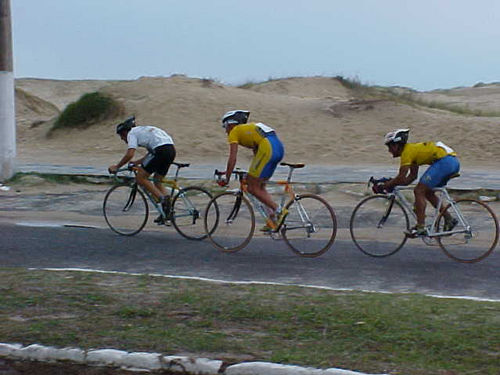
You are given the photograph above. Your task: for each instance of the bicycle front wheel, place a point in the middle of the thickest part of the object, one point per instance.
(125, 209)
(377, 226)
(475, 235)
(310, 226)
(189, 206)
(229, 222)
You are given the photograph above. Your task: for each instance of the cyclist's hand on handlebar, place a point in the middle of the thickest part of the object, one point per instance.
(220, 178)
(222, 182)
(378, 188)
(113, 169)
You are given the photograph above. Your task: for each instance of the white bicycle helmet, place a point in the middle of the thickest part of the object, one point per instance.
(237, 117)
(397, 136)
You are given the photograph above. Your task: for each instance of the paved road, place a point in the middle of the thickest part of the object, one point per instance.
(416, 268)
(469, 179)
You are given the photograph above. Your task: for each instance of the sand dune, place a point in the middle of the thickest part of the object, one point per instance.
(319, 120)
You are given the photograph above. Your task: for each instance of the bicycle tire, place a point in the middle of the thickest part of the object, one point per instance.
(229, 221)
(310, 226)
(125, 209)
(188, 207)
(371, 234)
(470, 246)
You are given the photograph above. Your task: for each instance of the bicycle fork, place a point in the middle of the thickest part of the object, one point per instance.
(131, 198)
(385, 216)
(234, 211)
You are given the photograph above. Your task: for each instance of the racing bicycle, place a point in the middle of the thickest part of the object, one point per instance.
(379, 225)
(309, 229)
(126, 209)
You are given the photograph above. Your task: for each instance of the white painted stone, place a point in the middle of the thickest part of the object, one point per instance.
(264, 368)
(260, 368)
(36, 352)
(195, 366)
(8, 350)
(137, 360)
(105, 357)
(154, 361)
(69, 354)
(337, 371)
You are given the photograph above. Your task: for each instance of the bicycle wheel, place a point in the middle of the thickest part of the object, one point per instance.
(188, 207)
(475, 237)
(229, 221)
(125, 209)
(310, 226)
(377, 226)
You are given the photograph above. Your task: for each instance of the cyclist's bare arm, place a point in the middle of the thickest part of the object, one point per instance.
(231, 160)
(125, 159)
(138, 161)
(407, 174)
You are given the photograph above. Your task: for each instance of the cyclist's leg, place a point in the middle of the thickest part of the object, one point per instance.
(269, 153)
(165, 158)
(159, 163)
(437, 175)
(421, 191)
(143, 180)
(257, 187)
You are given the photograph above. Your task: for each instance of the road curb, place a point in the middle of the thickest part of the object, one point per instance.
(153, 362)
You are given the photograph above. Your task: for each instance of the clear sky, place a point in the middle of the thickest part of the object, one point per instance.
(423, 44)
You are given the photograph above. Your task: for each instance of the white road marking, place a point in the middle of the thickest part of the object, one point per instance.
(257, 283)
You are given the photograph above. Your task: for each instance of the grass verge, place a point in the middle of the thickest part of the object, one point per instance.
(398, 334)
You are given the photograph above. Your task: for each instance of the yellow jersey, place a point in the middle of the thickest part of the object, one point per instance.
(424, 153)
(249, 135)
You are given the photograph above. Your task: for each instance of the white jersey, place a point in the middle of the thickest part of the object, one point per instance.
(148, 137)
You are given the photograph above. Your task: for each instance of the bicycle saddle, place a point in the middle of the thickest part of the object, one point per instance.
(181, 165)
(291, 165)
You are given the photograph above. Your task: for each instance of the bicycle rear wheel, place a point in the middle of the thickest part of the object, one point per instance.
(125, 209)
(229, 221)
(188, 208)
(377, 226)
(475, 237)
(310, 226)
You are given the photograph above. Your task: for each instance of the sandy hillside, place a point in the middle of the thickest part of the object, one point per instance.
(318, 119)
(482, 97)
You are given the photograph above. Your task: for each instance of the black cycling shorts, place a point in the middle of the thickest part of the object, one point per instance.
(160, 161)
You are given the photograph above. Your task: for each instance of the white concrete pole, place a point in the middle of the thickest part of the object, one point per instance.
(7, 98)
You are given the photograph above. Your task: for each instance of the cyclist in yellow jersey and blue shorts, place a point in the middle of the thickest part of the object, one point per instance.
(443, 163)
(268, 152)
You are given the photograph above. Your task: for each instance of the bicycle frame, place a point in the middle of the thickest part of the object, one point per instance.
(171, 183)
(444, 197)
(288, 192)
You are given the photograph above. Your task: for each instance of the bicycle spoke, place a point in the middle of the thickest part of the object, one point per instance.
(377, 226)
(125, 210)
(229, 222)
(310, 227)
(475, 235)
(188, 208)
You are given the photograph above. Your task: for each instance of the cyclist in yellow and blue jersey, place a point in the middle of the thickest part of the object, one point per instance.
(268, 152)
(443, 163)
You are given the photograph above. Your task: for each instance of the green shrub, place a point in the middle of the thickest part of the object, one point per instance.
(89, 109)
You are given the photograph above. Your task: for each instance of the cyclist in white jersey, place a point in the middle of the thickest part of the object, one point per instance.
(161, 153)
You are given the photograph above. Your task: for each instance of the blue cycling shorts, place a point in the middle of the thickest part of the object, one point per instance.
(269, 153)
(438, 173)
